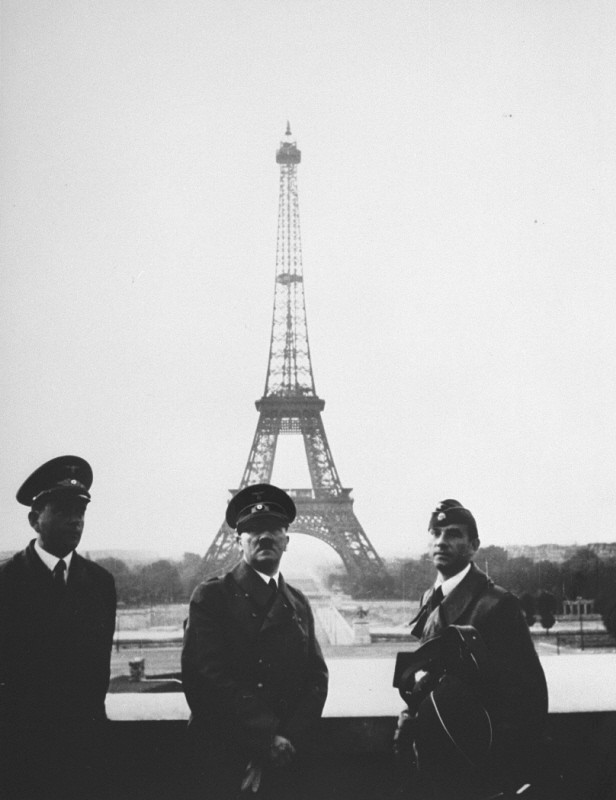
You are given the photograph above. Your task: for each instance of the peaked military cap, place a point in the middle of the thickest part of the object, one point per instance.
(259, 503)
(65, 474)
(452, 512)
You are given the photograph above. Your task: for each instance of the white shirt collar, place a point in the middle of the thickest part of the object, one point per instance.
(450, 584)
(50, 560)
(267, 578)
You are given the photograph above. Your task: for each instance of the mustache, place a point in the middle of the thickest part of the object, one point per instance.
(265, 542)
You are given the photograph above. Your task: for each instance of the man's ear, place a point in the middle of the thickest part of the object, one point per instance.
(286, 542)
(475, 544)
(33, 518)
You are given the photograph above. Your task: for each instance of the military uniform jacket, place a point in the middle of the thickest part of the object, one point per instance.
(54, 652)
(516, 693)
(249, 673)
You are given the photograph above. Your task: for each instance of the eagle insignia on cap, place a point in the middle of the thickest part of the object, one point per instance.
(441, 516)
(262, 503)
(70, 474)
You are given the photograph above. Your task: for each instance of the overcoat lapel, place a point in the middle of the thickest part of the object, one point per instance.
(251, 584)
(257, 592)
(282, 608)
(76, 572)
(455, 604)
(35, 568)
(420, 619)
(457, 601)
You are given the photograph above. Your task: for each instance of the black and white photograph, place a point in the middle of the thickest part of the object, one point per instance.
(308, 346)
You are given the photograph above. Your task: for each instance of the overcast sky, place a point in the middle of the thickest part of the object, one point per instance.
(457, 207)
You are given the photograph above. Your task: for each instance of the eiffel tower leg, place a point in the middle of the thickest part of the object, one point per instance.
(333, 521)
(223, 554)
(323, 473)
(263, 451)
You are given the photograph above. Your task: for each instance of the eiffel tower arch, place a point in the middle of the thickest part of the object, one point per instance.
(290, 406)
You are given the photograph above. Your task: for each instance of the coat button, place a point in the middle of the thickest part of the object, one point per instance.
(259, 686)
(254, 614)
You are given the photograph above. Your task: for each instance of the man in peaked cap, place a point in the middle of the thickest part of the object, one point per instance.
(252, 668)
(57, 618)
(480, 736)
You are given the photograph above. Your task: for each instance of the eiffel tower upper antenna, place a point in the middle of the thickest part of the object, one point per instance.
(289, 369)
(290, 405)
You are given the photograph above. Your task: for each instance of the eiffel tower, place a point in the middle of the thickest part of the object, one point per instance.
(290, 406)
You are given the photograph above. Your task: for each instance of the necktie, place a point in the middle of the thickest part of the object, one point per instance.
(273, 590)
(435, 599)
(58, 578)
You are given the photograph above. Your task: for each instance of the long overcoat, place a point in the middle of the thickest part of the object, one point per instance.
(516, 691)
(54, 653)
(249, 673)
(54, 674)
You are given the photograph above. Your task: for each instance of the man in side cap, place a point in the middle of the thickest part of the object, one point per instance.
(478, 731)
(252, 668)
(57, 618)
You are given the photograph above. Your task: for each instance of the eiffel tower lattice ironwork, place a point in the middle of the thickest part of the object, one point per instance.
(290, 405)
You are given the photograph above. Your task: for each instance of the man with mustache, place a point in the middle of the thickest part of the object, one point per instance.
(477, 730)
(57, 619)
(252, 669)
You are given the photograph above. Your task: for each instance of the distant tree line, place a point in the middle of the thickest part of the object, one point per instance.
(584, 574)
(161, 581)
(541, 586)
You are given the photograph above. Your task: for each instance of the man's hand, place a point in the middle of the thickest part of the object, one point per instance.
(252, 778)
(404, 735)
(281, 751)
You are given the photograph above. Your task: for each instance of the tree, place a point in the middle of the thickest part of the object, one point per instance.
(546, 608)
(581, 574)
(606, 606)
(124, 578)
(411, 577)
(190, 571)
(372, 587)
(549, 578)
(493, 560)
(116, 566)
(160, 582)
(338, 582)
(518, 577)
